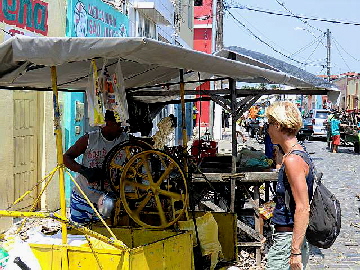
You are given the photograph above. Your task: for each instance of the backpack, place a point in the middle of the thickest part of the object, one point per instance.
(325, 215)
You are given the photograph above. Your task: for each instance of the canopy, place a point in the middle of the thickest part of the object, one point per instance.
(144, 62)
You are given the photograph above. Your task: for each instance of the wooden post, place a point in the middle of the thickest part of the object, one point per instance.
(232, 199)
(258, 222)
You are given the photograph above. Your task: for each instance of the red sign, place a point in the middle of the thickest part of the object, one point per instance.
(27, 14)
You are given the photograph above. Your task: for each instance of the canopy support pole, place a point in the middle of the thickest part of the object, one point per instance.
(182, 97)
(60, 162)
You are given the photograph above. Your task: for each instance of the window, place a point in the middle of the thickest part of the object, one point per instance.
(198, 3)
(146, 28)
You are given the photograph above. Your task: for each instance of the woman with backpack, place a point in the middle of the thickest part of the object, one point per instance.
(293, 190)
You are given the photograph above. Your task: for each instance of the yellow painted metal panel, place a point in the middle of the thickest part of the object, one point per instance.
(178, 252)
(134, 237)
(145, 236)
(173, 253)
(148, 257)
(124, 234)
(49, 257)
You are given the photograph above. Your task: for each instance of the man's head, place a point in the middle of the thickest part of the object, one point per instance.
(113, 127)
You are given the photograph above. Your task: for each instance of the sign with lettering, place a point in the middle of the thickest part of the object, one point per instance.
(94, 18)
(11, 31)
(26, 14)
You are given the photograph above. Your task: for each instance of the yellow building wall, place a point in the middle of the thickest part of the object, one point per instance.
(6, 154)
(353, 95)
(56, 22)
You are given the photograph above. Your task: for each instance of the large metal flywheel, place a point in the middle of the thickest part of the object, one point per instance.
(117, 158)
(153, 189)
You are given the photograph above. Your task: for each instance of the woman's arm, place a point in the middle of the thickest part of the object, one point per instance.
(296, 170)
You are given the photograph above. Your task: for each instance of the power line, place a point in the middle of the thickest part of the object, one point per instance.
(320, 41)
(342, 56)
(294, 16)
(262, 34)
(266, 43)
(305, 22)
(306, 46)
(345, 50)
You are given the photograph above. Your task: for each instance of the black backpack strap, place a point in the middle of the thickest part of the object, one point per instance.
(317, 175)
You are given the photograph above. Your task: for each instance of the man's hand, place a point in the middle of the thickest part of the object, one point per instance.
(93, 175)
(296, 262)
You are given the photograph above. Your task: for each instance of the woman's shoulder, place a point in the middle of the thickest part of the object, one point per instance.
(297, 157)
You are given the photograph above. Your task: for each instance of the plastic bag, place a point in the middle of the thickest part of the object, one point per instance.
(21, 251)
(96, 109)
(106, 92)
(208, 236)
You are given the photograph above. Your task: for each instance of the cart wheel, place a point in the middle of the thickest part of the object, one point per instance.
(117, 157)
(153, 189)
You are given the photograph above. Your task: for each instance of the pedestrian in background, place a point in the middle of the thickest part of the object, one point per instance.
(293, 190)
(335, 132)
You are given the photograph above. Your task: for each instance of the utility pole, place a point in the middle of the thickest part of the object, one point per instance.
(328, 47)
(219, 43)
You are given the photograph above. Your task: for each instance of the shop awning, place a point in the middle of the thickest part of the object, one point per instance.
(24, 62)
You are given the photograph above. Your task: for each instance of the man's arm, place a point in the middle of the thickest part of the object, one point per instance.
(74, 151)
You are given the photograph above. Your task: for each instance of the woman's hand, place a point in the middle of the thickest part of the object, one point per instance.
(295, 262)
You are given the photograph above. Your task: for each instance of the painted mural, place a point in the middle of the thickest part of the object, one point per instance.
(31, 15)
(94, 18)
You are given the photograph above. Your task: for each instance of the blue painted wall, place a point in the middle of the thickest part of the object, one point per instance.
(188, 121)
(87, 18)
(69, 129)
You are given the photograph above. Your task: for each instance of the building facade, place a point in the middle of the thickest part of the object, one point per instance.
(204, 42)
(30, 151)
(349, 85)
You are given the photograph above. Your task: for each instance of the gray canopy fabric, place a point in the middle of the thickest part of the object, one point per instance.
(25, 62)
(144, 62)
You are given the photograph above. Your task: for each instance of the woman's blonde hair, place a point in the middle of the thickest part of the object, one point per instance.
(286, 115)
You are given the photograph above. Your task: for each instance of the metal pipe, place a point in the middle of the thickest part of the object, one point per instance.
(182, 97)
(60, 161)
(115, 243)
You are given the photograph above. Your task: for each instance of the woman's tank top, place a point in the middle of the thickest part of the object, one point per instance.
(284, 211)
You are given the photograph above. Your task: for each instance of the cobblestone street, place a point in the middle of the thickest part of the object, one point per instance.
(341, 176)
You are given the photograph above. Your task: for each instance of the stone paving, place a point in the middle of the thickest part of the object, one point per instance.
(341, 176)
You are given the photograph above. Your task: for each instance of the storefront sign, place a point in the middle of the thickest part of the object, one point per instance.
(94, 18)
(26, 14)
(11, 31)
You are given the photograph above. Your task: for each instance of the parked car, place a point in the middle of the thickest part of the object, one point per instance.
(319, 116)
(306, 131)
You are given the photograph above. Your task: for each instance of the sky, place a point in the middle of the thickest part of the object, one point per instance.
(304, 42)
